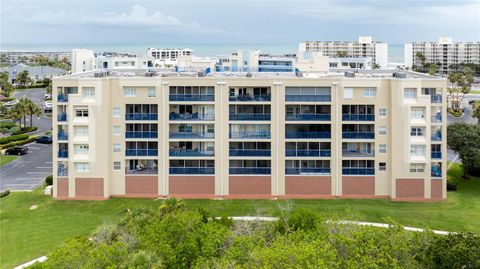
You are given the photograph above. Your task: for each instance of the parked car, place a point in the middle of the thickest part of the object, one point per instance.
(11, 103)
(45, 139)
(20, 150)
(47, 106)
(47, 96)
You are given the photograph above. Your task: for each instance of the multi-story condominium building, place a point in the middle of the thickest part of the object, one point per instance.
(86, 60)
(364, 48)
(445, 53)
(168, 54)
(257, 135)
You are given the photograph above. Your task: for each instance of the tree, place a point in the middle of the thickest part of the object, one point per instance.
(460, 85)
(465, 139)
(23, 78)
(342, 54)
(476, 111)
(32, 109)
(376, 66)
(5, 84)
(20, 110)
(433, 69)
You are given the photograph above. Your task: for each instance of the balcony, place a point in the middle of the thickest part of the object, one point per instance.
(436, 171)
(140, 134)
(192, 170)
(308, 153)
(308, 117)
(141, 116)
(357, 153)
(250, 170)
(62, 117)
(308, 98)
(62, 136)
(358, 171)
(141, 152)
(62, 97)
(191, 98)
(191, 117)
(250, 117)
(308, 134)
(436, 154)
(358, 117)
(250, 98)
(358, 135)
(193, 135)
(141, 171)
(436, 98)
(250, 152)
(62, 172)
(250, 135)
(190, 153)
(437, 118)
(437, 137)
(307, 170)
(63, 154)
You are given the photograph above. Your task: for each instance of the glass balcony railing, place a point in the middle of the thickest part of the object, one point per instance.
(250, 98)
(141, 171)
(307, 170)
(192, 170)
(250, 135)
(250, 170)
(250, 152)
(358, 135)
(196, 135)
(358, 171)
(308, 98)
(62, 98)
(250, 116)
(62, 136)
(140, 134)
(357, 153)
(436, 154)
(141, 152)
(141, 116)
(190, 152)
(308, 153)
(308, 117)
(436, 98)
(437, 137)
(194, 116)
(62, 117)
(191, 97)
(436, 171)
(62, 172)
(437, 118)
(308, 134)
(358, 117)
(63, 154)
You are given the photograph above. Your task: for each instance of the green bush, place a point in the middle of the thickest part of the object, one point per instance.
(455, 113)
(25, 130)
(19, 143)
(49, 180)
(7, 124)
(4, 193)
(451, 184)
(13, 138)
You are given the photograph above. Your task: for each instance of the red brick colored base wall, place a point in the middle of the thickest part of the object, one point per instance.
(141, 186)
(89, 188)
(437, 191)
(407, 188)
(308, 186)
(62, 188)
(356, 186)
(192, 186)
(250, 186)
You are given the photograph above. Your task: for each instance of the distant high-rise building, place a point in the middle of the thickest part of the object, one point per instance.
(445, 53)
(168, 54)
(365, 47)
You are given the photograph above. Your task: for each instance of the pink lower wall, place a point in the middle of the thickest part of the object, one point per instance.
(191, 185)
(141, 185)
(62, 188)
(308, 185)
(410, 188)
(250, 185)
(437, 189)
(88, 188)
(358, 186)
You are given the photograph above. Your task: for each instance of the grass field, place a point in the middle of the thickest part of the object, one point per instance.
(27, 234)
(6, 159)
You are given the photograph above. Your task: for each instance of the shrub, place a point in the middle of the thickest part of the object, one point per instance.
(4, 193)
(451, 184)
(49, 180)
(6, 124)
(13, 138)
(25, 130)
(19, 143)
(455, 113)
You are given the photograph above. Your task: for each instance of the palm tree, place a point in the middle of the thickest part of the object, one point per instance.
(171, 205)
(14, 115)
(33, 109)
(20, 108)
(476, 111)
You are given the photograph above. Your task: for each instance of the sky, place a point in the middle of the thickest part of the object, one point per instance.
(235, 22)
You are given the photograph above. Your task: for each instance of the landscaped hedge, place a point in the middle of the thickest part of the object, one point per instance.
(7, 124)
(25, 130)
(49, 180)
(13, 138)
(4, 193)
(19, 143)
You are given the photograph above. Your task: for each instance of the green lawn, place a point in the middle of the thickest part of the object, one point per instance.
(6, 159)
(27, 234)
(474, 91)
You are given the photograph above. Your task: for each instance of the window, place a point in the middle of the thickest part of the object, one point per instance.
(382, 148)
(81, 149)
(369, 92)
(88, 92)
(129, 92)
(382, 166)
(382, 130)
(417, 168)
(417, 150)
(347, 93)
(410, 94)
(81, 112)
(116, 112)
(116, 130)
(382, 112)
(117, 148)
(417, 113)
(117, 166)
(416, 131)
(152, 92)
(82, 167)
(80, 130)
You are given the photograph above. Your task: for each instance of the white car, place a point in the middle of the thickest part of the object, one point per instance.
(47, 106)
(11, 103)
(47, 96)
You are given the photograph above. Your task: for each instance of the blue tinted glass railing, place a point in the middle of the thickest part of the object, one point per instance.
(358, 171)
(134, 134)
(358, 135)
(63, 154)
(141, 116)
(308, 98)
(436, 154)
(436, 98)
(62, 172)
(192, 170)
(250, 170)
(249, 98)
(358, 117)
(62, 98)
(307, 170)
(190, 152)
(142, 171)
(308, 117)
(437, 137)
(191, 97)
(307, 134)
(62, 117)
(249, 135)
(141, 152)
(250, 116)
(307, 153)
(250, 152)
(192, 135)
(62, 136)
(194, 116)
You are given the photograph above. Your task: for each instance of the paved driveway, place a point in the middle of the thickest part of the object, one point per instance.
(27, 171)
